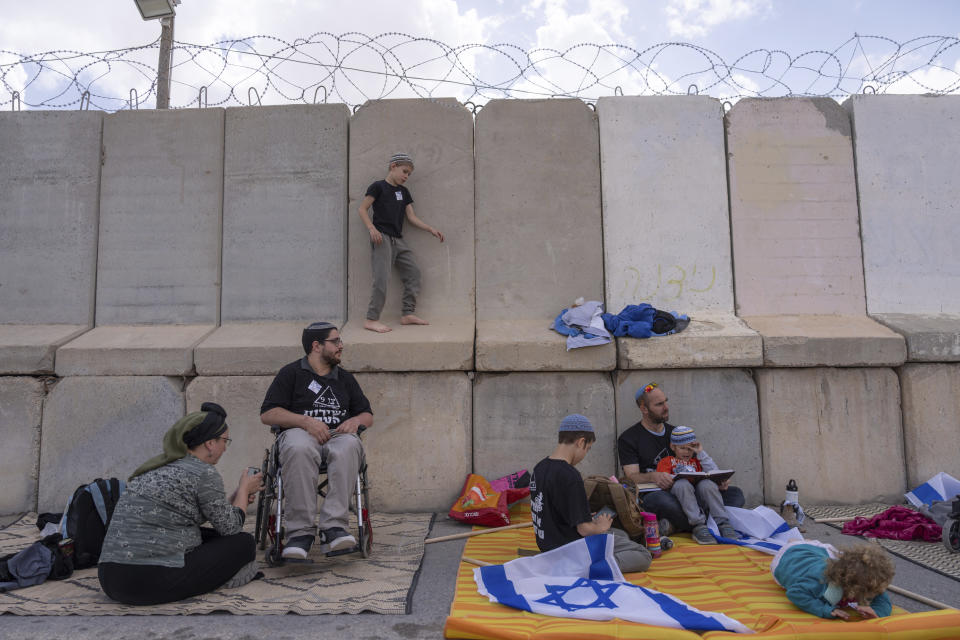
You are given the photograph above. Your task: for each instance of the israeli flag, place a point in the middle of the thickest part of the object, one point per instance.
(761, 529)
(942, 486)
(582, 580)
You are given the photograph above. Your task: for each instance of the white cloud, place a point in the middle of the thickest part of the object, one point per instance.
(692, 19)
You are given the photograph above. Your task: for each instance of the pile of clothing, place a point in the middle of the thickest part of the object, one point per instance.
(586, 325)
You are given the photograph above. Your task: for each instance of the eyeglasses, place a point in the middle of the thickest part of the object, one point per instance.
(650, 387)
(336, 341)
(226, 441)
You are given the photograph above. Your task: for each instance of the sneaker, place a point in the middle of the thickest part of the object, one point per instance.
(337, 539)
(702, 535)
(664, 527)
(727, 531)
(297, 548)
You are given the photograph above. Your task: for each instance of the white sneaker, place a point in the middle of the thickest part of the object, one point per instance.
(297, 548)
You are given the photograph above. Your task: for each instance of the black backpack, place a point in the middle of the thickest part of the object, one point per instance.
(86, 517)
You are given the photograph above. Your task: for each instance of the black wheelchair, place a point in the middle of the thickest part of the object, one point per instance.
(269, 528)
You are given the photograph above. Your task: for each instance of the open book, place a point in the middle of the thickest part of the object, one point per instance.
(717, 476)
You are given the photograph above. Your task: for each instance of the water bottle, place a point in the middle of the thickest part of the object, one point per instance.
(652, 532)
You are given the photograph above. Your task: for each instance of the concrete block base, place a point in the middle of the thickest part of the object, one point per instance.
(446, 344)
(241, 397)
(529, 344)
(97, 426)
(929, 337)
(21, 402)
(252, 349)
(708, 341)
(137, 350)
(516, 417)
(836, 431)
(30, 348)
(720, 405)
(418, 449)
(931, 420)
(827, 341)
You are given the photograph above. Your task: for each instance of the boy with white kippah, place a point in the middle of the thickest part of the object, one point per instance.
(558, 501)
(699, 498)
(392, 203)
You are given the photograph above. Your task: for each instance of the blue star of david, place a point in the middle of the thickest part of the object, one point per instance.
(603, 591)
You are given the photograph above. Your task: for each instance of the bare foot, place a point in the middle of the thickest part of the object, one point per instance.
(376, 325)
(412, 319)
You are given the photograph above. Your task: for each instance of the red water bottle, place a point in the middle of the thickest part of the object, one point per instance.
(652, 532)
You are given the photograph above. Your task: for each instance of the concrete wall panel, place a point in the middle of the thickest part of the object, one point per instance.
(931, 420)
(719, 404)
(907, 150)
(284, 213)
(160, 210)
(418, 450)
(241, 397)
(793, 208)
(21, 404)
(516, 417)
(671, 252)
(539, 238)
(49, 181)
(438, 134)
(539, 243)
(836, 431)
(100, 427)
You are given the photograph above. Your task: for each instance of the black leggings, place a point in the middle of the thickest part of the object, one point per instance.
(204, 569)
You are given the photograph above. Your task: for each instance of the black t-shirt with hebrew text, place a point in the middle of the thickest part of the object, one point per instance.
(558, 503)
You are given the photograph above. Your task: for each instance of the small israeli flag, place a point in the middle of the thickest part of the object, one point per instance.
(582, 580)
(942, 486)
(761, 529)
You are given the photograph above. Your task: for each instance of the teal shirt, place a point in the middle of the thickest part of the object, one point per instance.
(158, 517)
(801, 573)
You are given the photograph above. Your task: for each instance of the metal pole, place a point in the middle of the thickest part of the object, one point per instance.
(163, 65)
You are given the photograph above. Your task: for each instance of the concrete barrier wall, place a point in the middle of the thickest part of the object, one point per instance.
(49, 181)
(284, 207)
(539, 240)
(438, 134)
(907, 149)
(793, 208)
(21, 405)
(102, 426)
(931, 420)
(160, 207)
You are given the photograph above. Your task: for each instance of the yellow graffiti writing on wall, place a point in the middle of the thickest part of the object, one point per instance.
(672, 287)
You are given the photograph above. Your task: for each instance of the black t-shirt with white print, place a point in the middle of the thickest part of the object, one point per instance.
(558, 503)
(389, 207)
(332, 398)
(639, 446)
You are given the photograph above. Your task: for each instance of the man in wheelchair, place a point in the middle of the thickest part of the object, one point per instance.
(306, 400)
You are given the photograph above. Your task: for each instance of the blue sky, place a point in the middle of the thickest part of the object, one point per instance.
(730, 28)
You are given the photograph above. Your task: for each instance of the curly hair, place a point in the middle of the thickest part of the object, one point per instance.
(863, 572)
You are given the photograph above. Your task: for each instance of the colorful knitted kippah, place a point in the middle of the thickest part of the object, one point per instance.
(576, 422)
(402, 158)
(682, 435)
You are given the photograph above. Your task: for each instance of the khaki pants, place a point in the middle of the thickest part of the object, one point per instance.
(393, 251)
(300, 458)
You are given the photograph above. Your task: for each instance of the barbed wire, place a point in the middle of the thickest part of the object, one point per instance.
(352, 68)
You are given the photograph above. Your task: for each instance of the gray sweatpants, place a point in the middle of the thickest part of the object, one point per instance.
(300, 458)
(631, 556)
(393, 251)
(699, 500)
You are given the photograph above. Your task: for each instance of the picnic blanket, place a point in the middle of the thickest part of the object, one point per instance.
(382, 583)
(730, 579)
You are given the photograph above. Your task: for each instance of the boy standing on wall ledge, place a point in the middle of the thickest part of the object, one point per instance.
(391, 203)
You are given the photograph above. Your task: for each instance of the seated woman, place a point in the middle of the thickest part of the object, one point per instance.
(155, 550)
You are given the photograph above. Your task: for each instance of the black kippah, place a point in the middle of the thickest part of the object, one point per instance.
(213, 425)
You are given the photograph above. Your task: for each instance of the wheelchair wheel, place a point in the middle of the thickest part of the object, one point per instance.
(362, 509)
(951, 535)
(264, 500)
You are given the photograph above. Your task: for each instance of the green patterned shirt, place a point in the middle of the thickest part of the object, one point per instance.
(158, 517)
